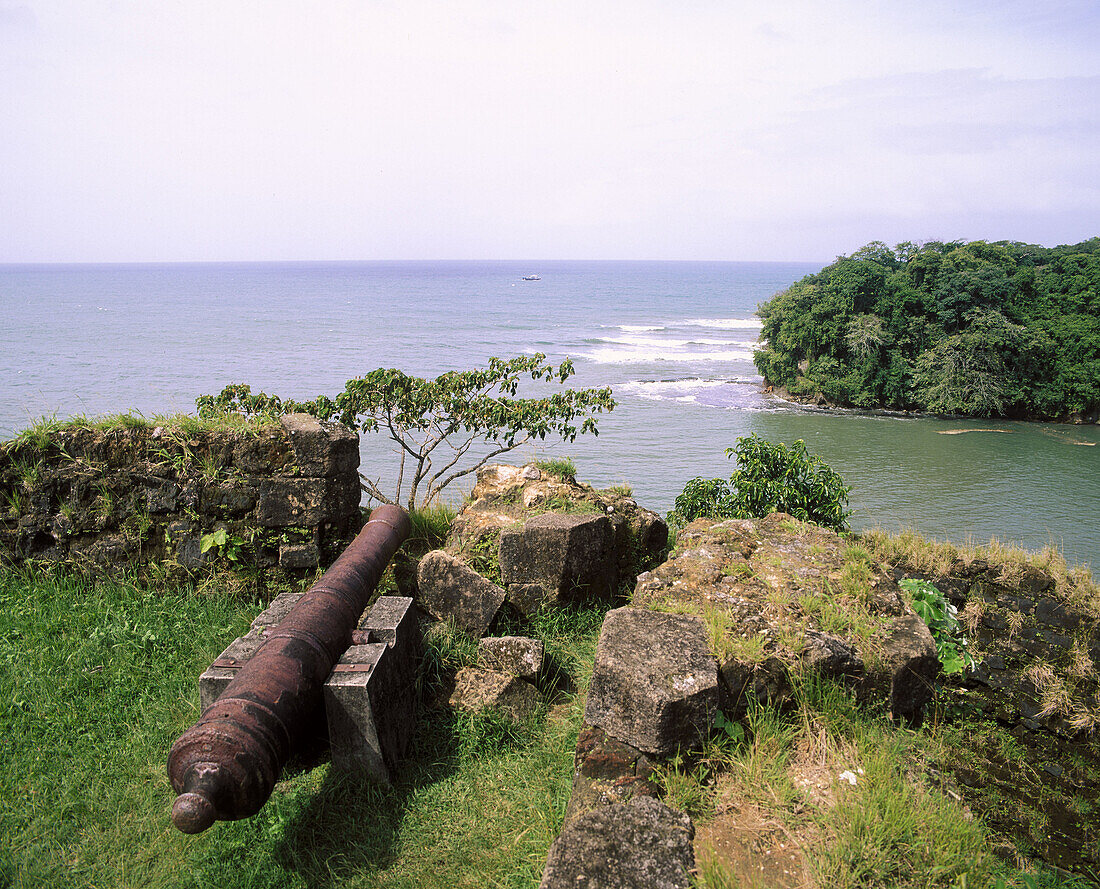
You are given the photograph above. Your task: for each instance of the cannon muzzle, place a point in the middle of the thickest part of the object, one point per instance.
(225, 766)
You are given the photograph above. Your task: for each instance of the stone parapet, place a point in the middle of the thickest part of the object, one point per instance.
(285, 494)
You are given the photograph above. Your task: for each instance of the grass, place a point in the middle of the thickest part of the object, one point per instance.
(1073, 584)
(97, 679)
(39, 434)
(562, 467)
(892, 827)
(430, 525)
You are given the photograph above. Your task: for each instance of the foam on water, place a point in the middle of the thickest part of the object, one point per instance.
(732, 393)
(666, 354)
(731, 323)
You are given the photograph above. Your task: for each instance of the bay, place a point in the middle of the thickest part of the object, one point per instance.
(674, 340)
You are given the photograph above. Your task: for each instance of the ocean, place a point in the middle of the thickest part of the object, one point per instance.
(673, 339)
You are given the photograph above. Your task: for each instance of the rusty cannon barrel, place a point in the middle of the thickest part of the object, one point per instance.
(225, 766)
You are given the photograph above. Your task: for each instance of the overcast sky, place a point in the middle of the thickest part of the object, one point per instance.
(163, 130)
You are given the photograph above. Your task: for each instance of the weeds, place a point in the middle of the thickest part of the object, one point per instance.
(855, 581)
(891, 830)
(921, 555)
(913, 550)
(1055, 698)
(40, 434)
(687, 786)
(446, 650)
(940, 616)
(562, 467)
(620, 490)
(725, 643)
(430, 526)
(483, 555)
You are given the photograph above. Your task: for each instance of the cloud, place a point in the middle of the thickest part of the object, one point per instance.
(212, 129)
(964, 111)
(17, 18)
(771, 33)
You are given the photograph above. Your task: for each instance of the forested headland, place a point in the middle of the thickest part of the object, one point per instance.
(981, 329)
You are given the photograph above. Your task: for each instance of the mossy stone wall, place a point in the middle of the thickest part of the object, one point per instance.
(286, 494)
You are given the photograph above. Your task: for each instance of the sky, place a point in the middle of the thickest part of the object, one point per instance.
(188, 130)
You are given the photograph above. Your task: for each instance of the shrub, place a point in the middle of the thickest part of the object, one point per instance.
(775, 478)
(703, 497)
(769, 478)
(941, 616)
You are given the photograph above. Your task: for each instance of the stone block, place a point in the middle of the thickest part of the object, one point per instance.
(829, 655)
(321, 450)
(342, 496)
(642, 844)
(449, 588)
(654, 683)
(477, 689)
(516, 655)
(291, 501)
(225, 667)
(392, 621)
(106, 549)
(160, 499)
(189, 552)
(571, 556)
(606, 771)
(229, 498)
(743, 682)
(299, 555)
(910, 655)
(262, 454)
(530, 598)
(1057, 614)
(354, 694)
(370, 697)
(61, 527)
(277, 609)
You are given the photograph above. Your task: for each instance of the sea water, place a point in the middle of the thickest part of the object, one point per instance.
(674, 341)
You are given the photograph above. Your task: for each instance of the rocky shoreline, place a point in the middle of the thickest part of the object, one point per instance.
(820, 402)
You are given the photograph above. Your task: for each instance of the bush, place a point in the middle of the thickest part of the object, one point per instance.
(769, 478)
(703, 497)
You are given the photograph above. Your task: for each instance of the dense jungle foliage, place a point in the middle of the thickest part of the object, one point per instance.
(991, 330)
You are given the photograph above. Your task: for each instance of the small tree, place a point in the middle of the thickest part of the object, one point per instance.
(436, 423)
(768, 478)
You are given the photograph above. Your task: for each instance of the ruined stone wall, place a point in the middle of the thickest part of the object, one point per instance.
(285, 495)
(1037, 646)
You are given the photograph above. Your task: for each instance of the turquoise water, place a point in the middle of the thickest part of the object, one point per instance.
(674, 340)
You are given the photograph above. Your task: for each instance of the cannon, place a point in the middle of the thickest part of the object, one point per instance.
(225, 766)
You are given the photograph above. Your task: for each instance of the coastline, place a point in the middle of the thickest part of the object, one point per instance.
(820, 402)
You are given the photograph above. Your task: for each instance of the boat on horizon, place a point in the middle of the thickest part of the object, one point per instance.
(532, 277)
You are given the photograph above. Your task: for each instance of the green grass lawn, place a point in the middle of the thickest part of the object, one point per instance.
(97, 679)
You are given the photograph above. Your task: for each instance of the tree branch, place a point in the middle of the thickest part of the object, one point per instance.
(365, 484)
(436, 488)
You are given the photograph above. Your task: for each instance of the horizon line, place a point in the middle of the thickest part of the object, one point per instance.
(166, 262)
